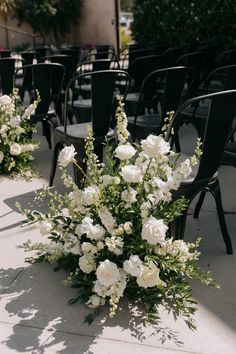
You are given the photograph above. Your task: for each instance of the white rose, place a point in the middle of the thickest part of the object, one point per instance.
(1, 156)
(107, 273)
(15, 121)
(29, 111)
(133, 266)
(87, 264)
(5, 100)
(45, 227)
(154, 231)
(4, 129)
(89, 194)
(66, 155)
(131, 173)
(15, 149)
(124, 152)
(154, 146)
(149, 276)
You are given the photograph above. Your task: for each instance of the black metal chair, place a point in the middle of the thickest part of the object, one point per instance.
(220, 79)
(152, 106)
(103, 90)
(7, 71)
(219, 124)
(47, 80)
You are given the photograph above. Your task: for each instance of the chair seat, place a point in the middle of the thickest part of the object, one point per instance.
(78, 131)
(149, 121)
(85, 103)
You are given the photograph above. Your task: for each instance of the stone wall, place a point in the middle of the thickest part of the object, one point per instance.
(97, 26)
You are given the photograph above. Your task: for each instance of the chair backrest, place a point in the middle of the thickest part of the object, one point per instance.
(103, 91)
(170, 81)
(142, 66)
(5, 53)
(7, 71)
(195, 60)
(228, 57)
(220, 117)
(220, 79)
(29, 56)
(96, 65)
(47, 79)
(67, 61)
(171, 55)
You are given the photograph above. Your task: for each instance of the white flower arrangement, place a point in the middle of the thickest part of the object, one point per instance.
(114, 236)
(15, 142)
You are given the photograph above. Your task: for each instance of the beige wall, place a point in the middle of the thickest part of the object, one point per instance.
(97, 26)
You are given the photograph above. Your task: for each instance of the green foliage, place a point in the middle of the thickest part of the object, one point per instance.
(49, 15)
(181, 22)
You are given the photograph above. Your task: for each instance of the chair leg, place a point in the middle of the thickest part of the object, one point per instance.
(215, 191)
(55, 155)
(47, 132)
(177, 226)
(199, 204)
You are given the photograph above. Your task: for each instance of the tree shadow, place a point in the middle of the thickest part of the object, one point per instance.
(36, 301)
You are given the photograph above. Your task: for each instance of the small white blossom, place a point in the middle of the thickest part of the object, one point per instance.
(115, 245)
(133, 266)
(5, 100)
(90, 194)
(128, 227)
(45, 227)
(95, 301)
(131, 174)
(1, 156)
(107, 219)
(124, 152)
(15, 121)
(66, 155)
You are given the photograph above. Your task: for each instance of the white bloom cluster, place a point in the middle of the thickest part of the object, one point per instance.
(15, 146)
(115, 229)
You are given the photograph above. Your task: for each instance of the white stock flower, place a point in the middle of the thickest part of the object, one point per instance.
(45, 227)
(15, 149)
(93, 232)
(15, 121)
(133, 265)
(128, 227)
(27, 147)
(154, 231)
(149, 276)
(129, 195)
(88, 247)
(155, 146)
(87, 263)
(131, 173)
(107, 219)
(66, 155)
(125, 152)
(95, 301)
(115, 245)
(29, 111)
(107, 273)
(4, 128)
(1, 156)
(5, 100)
(90, 194)
(180, 248)
(109, 180)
